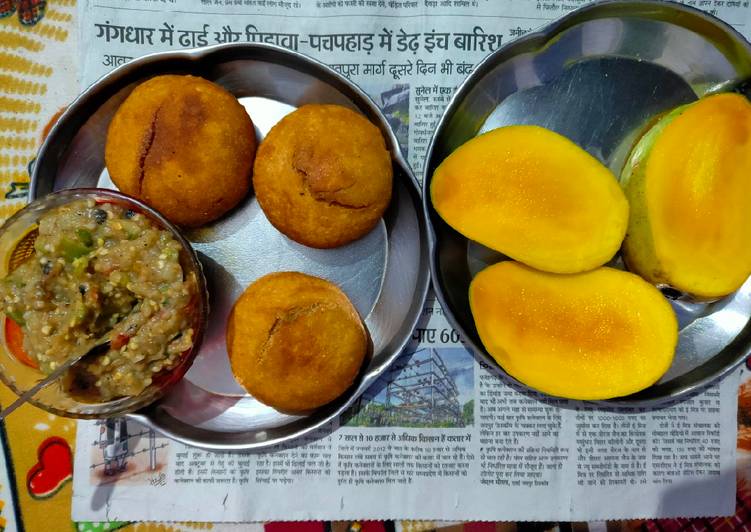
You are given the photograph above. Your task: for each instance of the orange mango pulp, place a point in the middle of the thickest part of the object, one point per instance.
(533, 195)
(595, 335)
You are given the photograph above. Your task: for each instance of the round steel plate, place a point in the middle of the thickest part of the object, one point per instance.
(598, 76)
(385, 273)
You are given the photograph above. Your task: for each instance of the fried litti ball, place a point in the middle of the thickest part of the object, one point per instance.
(295, 341)
(323, 175)
(183, 145)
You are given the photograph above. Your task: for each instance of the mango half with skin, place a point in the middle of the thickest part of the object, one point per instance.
(595, 335)
(533, 195)
(688, 181)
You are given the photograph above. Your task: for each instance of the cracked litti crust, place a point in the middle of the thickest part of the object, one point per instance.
(323, 175)
(183, 145)
(295, 341)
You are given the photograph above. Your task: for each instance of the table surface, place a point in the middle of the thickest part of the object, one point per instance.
(38, 67)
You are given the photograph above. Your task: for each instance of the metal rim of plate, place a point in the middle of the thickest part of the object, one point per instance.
(60, 146)
(728, 41)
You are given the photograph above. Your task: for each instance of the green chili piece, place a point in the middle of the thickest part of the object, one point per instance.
(79, 265)
(85, 237)
(17, 316)
(71, 249)
(80, 313)
(132, 230)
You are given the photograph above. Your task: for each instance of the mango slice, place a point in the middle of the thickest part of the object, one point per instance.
(533, 195)
(688, 181)
(594, 335)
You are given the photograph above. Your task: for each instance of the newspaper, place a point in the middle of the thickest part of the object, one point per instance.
(483, 449)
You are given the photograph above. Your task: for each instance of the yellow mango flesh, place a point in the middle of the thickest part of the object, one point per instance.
(595, 335)
(533, 195)
(689, 185)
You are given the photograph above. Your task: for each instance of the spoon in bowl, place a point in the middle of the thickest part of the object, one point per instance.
(92, 348)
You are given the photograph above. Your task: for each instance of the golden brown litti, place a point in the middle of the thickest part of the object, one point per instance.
(183, 145)
(323, 175)
(295, 341)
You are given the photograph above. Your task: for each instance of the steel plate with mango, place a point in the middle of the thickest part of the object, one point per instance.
(563, 311)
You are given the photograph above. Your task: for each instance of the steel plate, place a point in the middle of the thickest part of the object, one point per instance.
(598, 76)
(385, 273)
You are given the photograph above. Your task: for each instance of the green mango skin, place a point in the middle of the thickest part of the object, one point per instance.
(662, 258)
(638, 250)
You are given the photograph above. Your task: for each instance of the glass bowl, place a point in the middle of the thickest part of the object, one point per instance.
(19, 377)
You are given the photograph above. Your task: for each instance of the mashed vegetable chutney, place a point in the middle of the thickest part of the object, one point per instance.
(99, 268)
